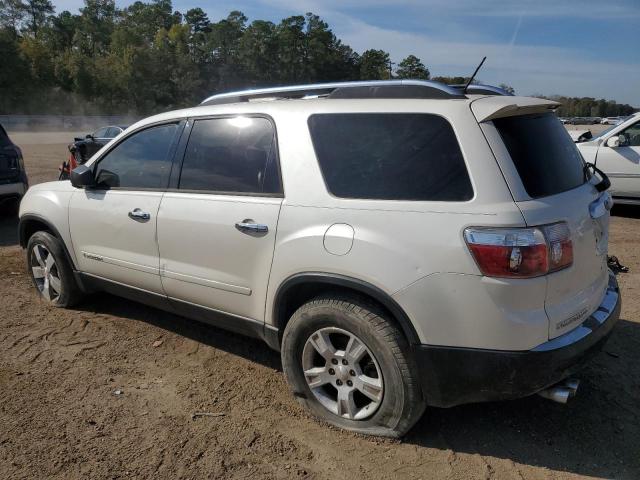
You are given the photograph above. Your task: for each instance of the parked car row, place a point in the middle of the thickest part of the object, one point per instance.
(401, 243)
(593, 120)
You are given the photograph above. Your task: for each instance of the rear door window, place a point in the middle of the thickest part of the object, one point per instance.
(390, 156)
(543, 153)
(231, 155)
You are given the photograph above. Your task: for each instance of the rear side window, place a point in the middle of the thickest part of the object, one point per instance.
(546, 158)
(231, 155)
(390, 156)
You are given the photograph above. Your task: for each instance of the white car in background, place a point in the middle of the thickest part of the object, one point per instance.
(616, 152)
(611, 120)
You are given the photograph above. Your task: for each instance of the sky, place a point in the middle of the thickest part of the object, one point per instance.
(565, 47)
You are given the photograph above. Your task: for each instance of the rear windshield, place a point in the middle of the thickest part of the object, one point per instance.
(390, 156)
(546, 158)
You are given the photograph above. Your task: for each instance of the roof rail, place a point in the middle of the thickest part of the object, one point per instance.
(479, 89)
(365, 89)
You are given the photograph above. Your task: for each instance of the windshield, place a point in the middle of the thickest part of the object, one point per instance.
(543, 153)
(605, 131)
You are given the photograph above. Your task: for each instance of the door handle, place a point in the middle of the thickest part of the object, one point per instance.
(138, 214)
(248, 226)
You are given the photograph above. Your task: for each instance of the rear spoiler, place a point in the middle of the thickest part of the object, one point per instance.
(489, 108)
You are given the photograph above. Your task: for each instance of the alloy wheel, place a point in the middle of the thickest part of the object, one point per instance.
(45, 273)
(342, 373)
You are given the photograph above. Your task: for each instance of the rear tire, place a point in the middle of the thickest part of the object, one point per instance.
(51, 272)
(383, 396)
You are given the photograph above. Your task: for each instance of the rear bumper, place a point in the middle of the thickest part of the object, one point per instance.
(453, 376)
(12, 190)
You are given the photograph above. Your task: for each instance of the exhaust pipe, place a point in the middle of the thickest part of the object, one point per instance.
(561, 392)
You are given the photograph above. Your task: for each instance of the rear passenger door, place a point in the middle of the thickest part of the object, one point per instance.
(217, 225)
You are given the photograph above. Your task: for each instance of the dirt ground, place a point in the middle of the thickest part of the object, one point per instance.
(84, 393)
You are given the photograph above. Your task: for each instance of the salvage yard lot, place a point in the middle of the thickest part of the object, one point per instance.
(109, 389)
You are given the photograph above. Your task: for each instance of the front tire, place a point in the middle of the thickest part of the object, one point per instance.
(351, 366)
(50, 271)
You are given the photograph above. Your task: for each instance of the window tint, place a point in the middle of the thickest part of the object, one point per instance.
(140, 161)
(236, 155)
(546, 158)
(631, 136)
(390, 156)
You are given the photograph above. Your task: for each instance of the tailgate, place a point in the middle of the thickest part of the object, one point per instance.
(576, 292)
(546, 176)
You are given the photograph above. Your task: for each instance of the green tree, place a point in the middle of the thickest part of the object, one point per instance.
(197, 20)
(37, 13)
(412, 67)
(12, 14)
(374, 65)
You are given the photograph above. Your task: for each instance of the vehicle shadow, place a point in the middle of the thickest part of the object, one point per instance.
(8, 225)
(626, 211)
(250, 348)
(596, 434)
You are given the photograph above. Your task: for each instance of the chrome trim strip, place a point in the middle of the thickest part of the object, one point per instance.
(330, 86)
(227, 287)
(608, 303)
(623, 175)
(119, 263)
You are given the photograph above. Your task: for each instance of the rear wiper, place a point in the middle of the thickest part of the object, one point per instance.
(590, 170)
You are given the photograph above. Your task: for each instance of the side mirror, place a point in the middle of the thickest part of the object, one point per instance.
(89, 136)
(82, 176)
(613, 142)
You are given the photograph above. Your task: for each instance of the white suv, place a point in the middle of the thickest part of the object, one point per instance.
(402, 244)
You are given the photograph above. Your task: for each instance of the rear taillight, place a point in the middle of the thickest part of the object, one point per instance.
(520, 252)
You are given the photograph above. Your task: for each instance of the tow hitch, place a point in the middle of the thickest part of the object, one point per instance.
(561, 392)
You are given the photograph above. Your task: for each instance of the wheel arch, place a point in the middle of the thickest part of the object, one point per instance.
(302, 287)
(31, 223)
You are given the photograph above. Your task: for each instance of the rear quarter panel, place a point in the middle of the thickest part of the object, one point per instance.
(396, 244)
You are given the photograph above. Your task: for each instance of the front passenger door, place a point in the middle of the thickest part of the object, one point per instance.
(113, 225)
(622, 163)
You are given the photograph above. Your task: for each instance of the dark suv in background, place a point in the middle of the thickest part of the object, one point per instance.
(13, 178)
(84, 148)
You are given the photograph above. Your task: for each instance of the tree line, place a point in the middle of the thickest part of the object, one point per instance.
(591, 107)
(147, 57)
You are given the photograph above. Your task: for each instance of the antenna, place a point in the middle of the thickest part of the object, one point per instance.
(474, 75)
